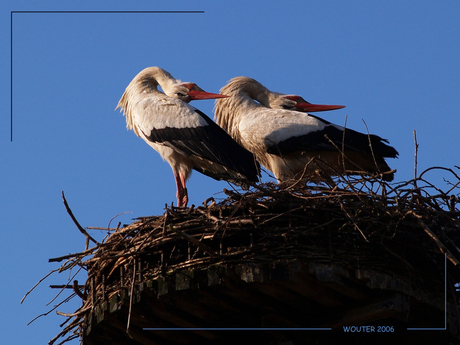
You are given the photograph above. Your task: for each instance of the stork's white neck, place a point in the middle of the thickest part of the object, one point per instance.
(243, 93)
(150, 78)
(146, 81)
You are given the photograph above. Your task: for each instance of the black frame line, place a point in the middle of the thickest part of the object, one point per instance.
(235, 329)
(67, 12)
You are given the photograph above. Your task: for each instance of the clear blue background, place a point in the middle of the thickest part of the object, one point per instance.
(394, 64)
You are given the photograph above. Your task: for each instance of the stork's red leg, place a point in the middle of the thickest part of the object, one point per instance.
(182, 196)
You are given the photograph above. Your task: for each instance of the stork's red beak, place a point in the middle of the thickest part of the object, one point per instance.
(308, 107)
(195, 94)
(304, 106)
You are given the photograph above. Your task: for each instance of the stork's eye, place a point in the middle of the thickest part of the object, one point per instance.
(288, 107)
(180, 94)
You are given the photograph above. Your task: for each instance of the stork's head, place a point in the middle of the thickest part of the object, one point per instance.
(294, 102)
(187, 92)
(150, 78)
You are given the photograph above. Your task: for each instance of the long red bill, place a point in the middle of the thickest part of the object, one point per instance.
(308, 107)
(195, 94)
(304, 106)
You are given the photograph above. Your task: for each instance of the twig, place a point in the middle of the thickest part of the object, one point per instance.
(76, 289)
(119, 214)
(131, 297)
(209, 216)
(430, 233)
(194, 241)
(77, 313)
(164, 223)
(49, 311)
(75, 323)
(83, 231)
(64, 288)
(73, 256)
(353, 221)
(304, 172)
(28, 292)
(101, 228)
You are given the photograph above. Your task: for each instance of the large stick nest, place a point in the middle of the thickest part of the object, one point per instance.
(401, 231)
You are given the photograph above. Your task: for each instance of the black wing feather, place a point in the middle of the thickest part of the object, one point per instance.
(210, 142)
(332, 138)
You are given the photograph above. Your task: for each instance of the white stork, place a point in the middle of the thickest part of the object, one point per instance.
(293, 145)
(185, 137)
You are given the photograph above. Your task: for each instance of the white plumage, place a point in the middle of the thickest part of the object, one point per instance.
(185, 137)
(295, 145)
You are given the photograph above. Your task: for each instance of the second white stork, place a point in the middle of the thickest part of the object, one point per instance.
(184, 136)
(293, 145)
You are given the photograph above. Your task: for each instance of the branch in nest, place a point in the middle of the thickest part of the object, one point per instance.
(430, 233)
(77, 313)
(83, 231)
(28, 292)
(194, 241)
(73, 256)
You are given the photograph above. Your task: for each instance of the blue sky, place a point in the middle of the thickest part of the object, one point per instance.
(394, 64)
